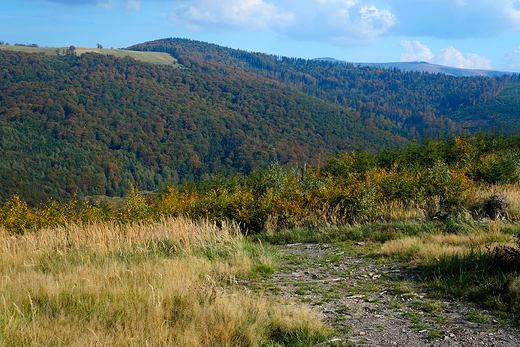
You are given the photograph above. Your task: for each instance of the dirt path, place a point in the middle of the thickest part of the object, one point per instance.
(372, 303)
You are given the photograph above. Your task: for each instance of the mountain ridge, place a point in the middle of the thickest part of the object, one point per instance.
(422, 66)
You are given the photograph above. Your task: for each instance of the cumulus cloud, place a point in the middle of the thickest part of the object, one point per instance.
(450, 56)
(415, 51)
(455, 18)
(341, 22)
(512, 60)
(243, 14)
(453, 57)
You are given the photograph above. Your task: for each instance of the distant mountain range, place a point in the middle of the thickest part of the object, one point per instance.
(422, 66)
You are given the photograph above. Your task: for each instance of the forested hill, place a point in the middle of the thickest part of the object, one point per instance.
(416, 103)
(96, 124)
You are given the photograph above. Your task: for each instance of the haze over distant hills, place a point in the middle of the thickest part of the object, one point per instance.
(423, 66)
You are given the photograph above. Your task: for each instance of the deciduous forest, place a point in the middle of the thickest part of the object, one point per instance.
(96, 124)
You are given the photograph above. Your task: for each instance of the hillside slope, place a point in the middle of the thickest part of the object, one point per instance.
(416, 103)
(96, 124)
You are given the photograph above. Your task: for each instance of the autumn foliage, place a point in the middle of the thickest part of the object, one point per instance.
(353, 187)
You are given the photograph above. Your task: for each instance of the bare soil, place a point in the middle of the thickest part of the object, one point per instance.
(371, 301)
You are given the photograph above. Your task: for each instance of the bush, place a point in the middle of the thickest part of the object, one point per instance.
(451, 186)
(496, 206)
(501, 167)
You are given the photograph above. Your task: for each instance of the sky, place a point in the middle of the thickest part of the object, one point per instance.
(474, 34)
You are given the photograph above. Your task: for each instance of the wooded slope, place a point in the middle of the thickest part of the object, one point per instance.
(416, 103)
(97, 124)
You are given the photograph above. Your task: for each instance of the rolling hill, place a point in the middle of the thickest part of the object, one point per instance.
(95, 124)
(417, 104)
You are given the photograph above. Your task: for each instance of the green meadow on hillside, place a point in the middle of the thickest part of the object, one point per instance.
(146, 57)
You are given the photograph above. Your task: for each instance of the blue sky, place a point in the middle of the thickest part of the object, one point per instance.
(462, 33)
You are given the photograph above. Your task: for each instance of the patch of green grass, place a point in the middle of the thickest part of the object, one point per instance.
(414, 317)
(264, 269)
(270, 344)
(375, 232)
(441, 319)
(419, 326)
(402, 287)
(409, 296)
(476, 317)
(427, 306)
(434, 334)
(475, 276)
(300, 291)
(395, 306)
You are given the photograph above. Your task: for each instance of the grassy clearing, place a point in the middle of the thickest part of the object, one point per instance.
(147, 57)
(165, 283)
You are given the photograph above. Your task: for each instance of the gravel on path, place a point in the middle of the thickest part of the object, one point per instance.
(379, 303)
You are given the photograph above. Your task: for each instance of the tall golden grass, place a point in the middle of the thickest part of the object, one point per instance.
(430, 246)
(168, 283)
(510, 191)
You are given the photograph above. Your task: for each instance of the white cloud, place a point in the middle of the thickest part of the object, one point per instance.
(415, 51)
(453, 57)
(450, 56)
(340, 22)
(512, 60)
(455, 18)
(380, 19)
(244, 14)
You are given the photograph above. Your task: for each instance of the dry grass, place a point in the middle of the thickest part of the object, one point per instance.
(398, 211)
(511, 191)
(162, 284)
(428, 247)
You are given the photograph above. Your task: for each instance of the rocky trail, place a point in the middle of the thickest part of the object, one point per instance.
(373, 302)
